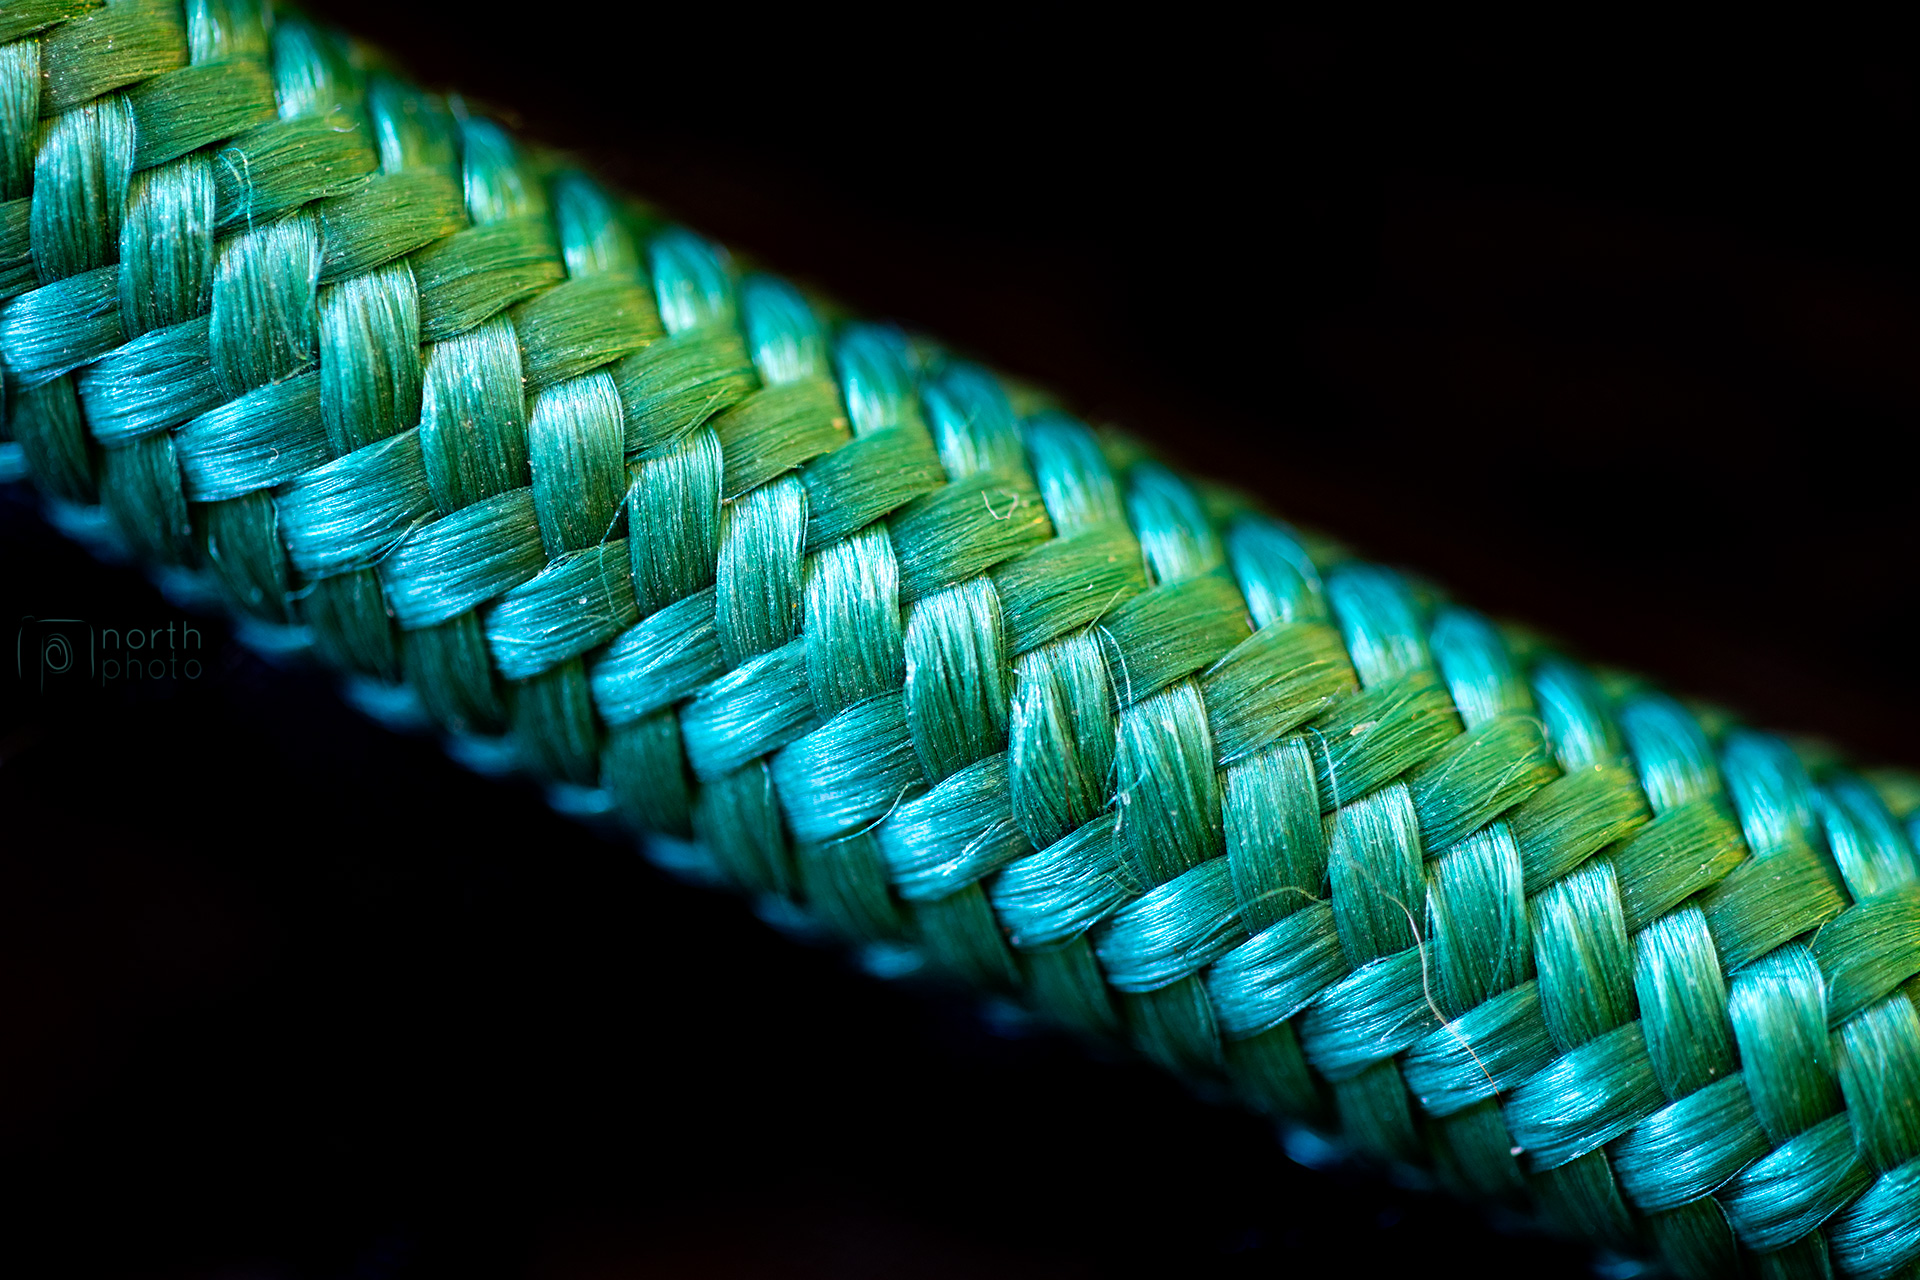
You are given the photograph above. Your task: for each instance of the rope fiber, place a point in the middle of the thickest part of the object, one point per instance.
(922, 662)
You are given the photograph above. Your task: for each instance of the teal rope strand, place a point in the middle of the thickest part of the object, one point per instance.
(850, 624)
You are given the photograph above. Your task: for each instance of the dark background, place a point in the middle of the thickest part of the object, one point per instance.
(1611, 332)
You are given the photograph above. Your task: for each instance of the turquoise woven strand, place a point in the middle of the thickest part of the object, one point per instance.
(855, 626)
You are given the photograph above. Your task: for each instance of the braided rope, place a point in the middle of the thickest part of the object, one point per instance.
(923, 662)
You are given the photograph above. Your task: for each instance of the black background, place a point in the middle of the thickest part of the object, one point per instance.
(1612, 332)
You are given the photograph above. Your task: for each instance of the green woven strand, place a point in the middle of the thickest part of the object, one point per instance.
(19, 108)
(276, 167)
(118, 45)
(17, 274)
(177, 112)
(166, 246)
(140, 486)
(225, 28)
(46, 421)
(30, 16)
(448, 664)
(350, 624)
(80, 174)
(244, 551)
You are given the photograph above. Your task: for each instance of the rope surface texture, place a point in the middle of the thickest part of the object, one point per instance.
(928, 665)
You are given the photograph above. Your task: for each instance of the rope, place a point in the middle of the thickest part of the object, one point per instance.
(919, 660)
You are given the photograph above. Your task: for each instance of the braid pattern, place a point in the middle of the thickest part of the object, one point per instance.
(921, 662)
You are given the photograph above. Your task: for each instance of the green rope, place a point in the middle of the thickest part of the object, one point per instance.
(853, 625)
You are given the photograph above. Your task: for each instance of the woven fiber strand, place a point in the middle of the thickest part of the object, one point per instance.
(859, 628)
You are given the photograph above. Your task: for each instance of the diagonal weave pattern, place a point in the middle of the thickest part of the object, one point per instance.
(924, 662)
